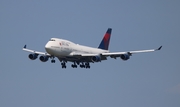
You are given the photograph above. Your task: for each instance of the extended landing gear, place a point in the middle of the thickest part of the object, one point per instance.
(82, 65)
(87, 65)
(53, 61)
(74, 65)
(63, 65)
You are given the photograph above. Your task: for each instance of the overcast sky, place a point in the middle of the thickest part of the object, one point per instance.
(145, 80)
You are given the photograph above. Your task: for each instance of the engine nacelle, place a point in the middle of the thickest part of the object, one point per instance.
(33, 56)
(125, 57)
(96, 58)
(44, 58)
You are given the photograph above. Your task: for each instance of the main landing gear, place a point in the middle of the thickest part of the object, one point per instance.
(74, 65)
(87, 65)
(63, 64)
(82, 65)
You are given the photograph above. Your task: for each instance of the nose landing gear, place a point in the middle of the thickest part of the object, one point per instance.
(53, 61)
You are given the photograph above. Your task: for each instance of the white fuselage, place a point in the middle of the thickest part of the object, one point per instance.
(61, 48)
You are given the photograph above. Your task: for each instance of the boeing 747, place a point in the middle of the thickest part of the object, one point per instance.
(67, 51)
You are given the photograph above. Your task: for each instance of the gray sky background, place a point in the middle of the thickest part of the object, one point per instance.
(146, 80)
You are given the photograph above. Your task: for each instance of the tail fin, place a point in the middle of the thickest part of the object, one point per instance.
(105, 41)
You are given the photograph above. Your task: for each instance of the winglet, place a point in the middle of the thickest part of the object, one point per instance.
(24, 46)
(159, 48)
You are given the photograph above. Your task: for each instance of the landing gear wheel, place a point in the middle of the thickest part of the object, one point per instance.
(82, 66)
(63, 64)
(52, 61)
(74, 66)
(87, 65)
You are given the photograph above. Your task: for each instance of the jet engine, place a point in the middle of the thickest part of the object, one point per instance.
(33, 56)
(96, 58)
(44, 58)
(125, 57)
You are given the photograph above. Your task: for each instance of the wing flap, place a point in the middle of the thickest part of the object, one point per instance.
(82, 54)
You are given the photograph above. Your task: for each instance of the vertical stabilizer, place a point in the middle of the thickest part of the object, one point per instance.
(106, 39)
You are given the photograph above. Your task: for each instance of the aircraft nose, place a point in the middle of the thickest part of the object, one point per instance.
(47, 47)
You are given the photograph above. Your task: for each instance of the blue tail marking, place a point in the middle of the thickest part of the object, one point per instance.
(105, 41)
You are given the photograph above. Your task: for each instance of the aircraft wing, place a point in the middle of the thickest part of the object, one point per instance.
(114, 54)
(36, 52)
(118, 54)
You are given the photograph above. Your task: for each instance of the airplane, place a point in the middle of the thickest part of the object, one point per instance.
(80, 55)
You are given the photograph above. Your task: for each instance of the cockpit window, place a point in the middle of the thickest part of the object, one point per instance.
(51, 40)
